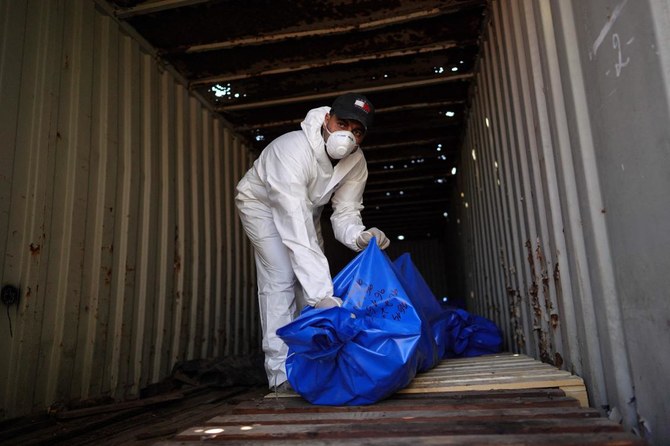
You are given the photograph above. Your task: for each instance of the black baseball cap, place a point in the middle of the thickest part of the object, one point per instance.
(353, 106)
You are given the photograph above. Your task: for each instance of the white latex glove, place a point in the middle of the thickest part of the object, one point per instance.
(329, 302)
(363, 239)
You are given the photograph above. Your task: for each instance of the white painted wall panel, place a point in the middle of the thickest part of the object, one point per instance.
(116, 214)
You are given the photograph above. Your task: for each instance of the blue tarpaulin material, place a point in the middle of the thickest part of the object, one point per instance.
(389, 328)
(457, 333)
(469, 335)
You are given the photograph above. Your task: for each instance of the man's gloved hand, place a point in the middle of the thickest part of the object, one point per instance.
(329, 302)
(364, 238)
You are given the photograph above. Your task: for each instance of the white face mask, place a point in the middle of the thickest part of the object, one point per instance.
(340, 143)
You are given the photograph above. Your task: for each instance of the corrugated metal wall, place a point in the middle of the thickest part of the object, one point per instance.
(564, 180)
(116, 214)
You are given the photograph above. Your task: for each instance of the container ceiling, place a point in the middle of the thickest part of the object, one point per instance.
(263, 64)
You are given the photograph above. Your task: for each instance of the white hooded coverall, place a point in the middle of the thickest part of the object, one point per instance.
(279, 201)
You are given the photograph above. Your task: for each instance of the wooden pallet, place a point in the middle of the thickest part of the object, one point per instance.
(494, 400)
(497, 372)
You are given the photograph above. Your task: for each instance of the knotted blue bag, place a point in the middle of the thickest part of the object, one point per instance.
(457, 333)
(363, 351)
(469, 335)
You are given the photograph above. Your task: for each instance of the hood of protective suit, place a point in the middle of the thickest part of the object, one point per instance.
(311, 125)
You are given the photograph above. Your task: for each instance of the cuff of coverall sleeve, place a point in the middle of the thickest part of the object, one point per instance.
(354, 243)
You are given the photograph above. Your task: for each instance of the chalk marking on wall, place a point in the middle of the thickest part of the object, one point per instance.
(616, 44)
(608, 26)
(611, 93)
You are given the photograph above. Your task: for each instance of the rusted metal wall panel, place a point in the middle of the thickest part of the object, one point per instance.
(568, 99)
(116, 214)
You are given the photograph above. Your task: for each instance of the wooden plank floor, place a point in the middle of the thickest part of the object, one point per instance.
(493, 400)
(497, 372)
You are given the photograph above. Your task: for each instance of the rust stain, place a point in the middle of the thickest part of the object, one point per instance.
(554, 321)
(108, 276)
(34, 249)
(544, 277)
(535, 301)
(530, 257)
(177, 256)
(558, 360)
(545, 348)
(514, 297)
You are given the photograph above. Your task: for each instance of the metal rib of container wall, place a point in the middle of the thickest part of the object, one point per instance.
(615, 60)
(512, 203)
(116, 214)
(521, 117)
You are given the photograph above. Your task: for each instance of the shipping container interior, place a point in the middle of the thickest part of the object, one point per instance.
(520, 153)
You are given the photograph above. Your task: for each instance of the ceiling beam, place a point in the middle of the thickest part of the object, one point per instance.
(328, 62)
(447, 7)
(397, 108)
(149, 7)
(414, 203)
(415, 142)
(332, 94)
(396, 180)
(318, 32)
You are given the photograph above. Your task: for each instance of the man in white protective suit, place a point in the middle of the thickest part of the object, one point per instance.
(280, 200)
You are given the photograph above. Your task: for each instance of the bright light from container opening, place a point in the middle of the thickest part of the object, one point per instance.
(221, 90)
(445, 214)
(454, 69)
(453, 171)
(401, 237)
(450, 114)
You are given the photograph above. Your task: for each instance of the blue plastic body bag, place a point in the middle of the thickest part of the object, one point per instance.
(363, 351)
(470, 335)
(429, 308)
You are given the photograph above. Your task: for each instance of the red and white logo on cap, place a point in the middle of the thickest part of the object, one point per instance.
(363, 105)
